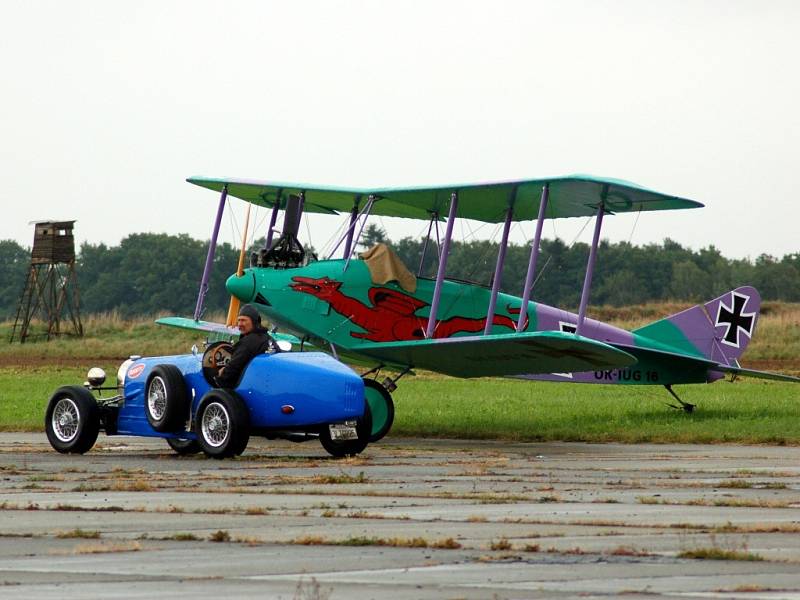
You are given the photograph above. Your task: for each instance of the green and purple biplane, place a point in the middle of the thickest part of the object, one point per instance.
(372, 309)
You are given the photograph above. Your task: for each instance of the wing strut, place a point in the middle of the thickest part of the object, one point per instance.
(367, 209)
(437, 290)
(212, 248)
(498, 268)
(587, 282)
(348, 244)
(537, 238)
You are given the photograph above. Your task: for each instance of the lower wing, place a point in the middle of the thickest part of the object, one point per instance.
(500, 355)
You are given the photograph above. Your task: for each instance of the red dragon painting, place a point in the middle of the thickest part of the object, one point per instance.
(391, 318)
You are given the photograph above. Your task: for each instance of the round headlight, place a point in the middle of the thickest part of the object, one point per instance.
(96, 376)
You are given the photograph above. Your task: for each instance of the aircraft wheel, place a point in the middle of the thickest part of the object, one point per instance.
(184, 447)
(382, 408)
(341, 448)
(166, 403)
(222, 424)
(72, 420)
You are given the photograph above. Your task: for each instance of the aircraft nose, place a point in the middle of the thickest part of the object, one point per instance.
(243, 287)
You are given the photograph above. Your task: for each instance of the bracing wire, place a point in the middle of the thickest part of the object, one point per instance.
(635, 223)
(235, 231)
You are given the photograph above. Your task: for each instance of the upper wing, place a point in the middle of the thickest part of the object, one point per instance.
(505, 354)
(570, 196)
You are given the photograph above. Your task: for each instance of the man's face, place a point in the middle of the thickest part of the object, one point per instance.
(245, 324)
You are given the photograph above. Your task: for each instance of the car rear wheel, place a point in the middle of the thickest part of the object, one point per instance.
(222, 424)
(72, 420)
(381, 407)
(351, 447)
(184, 447)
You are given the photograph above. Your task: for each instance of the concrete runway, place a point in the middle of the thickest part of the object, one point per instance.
(408, 519)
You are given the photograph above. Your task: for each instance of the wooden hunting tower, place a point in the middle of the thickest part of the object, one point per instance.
(51, 288)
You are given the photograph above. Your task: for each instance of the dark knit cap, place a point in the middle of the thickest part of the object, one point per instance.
(248, 310)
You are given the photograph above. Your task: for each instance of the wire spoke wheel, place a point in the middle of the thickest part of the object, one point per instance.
(222, 424)
(216, 424)
(166, 399)
(65, 420)
(72, 420)
(157, 398)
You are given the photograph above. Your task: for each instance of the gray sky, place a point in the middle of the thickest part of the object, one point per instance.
(108, 106)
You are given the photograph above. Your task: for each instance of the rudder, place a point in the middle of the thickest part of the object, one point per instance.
(718, 330)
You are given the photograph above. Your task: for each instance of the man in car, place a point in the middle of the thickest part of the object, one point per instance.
(254, 341)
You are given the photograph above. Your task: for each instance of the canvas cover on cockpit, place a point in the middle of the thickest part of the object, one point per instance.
(384, 266)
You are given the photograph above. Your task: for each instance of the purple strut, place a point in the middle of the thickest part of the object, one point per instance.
(350, 228)
(348, 245)
(498, 272)
(437, 290)
(587, 282)
(367, 209)
(537, 238)
(212, 247)
(272, 220)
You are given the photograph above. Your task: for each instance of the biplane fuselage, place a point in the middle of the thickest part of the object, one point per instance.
(335, 303)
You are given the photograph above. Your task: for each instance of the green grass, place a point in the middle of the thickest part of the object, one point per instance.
(434, 406)
(744, 411)
(431, 405)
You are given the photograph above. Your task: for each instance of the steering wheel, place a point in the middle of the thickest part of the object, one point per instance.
(216, 355)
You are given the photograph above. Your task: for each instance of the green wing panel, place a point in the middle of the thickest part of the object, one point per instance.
(221, 329)
(204, 326)
(570, 196)
(500, 355)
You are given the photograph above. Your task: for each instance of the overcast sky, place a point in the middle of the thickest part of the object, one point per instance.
(108, 106)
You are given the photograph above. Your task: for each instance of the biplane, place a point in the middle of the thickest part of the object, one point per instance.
(373, 309)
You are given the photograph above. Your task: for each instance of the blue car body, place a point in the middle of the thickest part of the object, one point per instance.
(319, 389)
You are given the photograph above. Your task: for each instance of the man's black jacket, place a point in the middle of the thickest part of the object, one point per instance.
(246, 349)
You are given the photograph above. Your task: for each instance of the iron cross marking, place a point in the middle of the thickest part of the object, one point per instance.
(735, 319)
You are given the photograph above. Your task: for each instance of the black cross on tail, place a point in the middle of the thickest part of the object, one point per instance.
(735, 319)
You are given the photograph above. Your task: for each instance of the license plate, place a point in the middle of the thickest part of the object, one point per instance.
(343, 431)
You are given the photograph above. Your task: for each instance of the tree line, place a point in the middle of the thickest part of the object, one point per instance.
(149, 273)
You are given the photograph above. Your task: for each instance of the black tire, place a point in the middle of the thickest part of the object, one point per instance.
(166, 403)
(184, 447)
(382, 409)
(222, 424)
(341, 448)
(72, 420)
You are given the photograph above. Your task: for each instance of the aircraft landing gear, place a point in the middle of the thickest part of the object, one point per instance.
(379, 398)
(685, 406)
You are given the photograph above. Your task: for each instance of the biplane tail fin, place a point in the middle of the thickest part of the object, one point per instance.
(718, 330)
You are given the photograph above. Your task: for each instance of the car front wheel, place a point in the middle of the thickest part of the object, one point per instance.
(72, 420)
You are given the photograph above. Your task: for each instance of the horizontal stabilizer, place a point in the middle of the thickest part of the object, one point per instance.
(757, 374)
(500, 355)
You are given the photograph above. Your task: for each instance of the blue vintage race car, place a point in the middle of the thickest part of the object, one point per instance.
(293, 395)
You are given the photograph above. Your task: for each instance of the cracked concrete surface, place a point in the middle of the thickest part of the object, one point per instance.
(556, 520)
